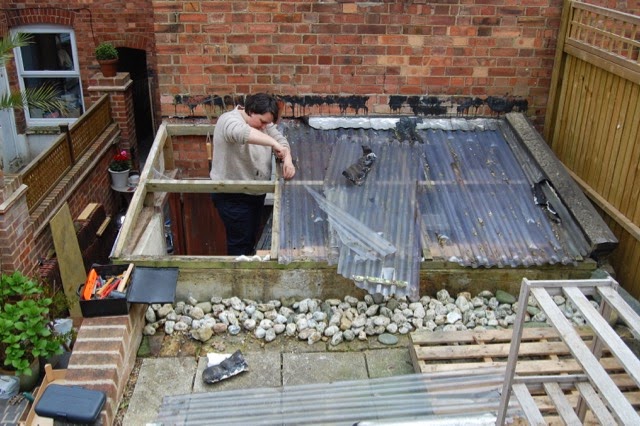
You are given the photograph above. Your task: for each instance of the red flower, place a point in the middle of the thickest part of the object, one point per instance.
(120, 162)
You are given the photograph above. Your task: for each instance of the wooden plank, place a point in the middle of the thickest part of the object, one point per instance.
(491, 350)
(510, 369)
(624, 411)
(103, 226)
(606, 333)
(524, 367)
(615, 194)
(625, 311)
(86, 213)
(605, 184)
(555, 89)
(528, 405)
(275, 222)
(125, 277)
(629, 156)
(595, 404)
(72, 269)
(546, 405)
(608, 208)
(207, 185)
(487, 336)
(562, 404)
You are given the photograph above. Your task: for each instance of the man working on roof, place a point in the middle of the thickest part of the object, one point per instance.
(243, 142)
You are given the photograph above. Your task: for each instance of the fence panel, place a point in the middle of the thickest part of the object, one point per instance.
(48, 168)
(594, 120)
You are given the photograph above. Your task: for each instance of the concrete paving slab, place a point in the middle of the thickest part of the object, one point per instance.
(158, 377)
(388, 362)
(264, 371)
(322, 367)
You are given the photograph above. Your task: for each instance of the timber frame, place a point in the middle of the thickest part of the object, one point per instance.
(228, 275)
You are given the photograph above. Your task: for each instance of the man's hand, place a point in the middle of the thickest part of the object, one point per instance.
(288, 169)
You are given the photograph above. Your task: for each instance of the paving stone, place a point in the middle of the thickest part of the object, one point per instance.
(322, 367)
(158, 377)
(388, 362)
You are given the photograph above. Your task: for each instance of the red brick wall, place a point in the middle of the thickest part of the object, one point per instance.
(104, 354)
(125, 23)
(378, 48)
(190, 156)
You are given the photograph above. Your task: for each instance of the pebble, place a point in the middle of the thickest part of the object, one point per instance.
(336, 321)
(387, 339)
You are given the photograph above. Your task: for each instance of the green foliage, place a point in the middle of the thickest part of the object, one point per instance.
(26, 331)
(106, 51)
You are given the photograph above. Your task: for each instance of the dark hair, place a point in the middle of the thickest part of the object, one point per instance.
(262, 103)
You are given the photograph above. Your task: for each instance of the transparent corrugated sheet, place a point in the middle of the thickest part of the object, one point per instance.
(452, 398)
(457, 191)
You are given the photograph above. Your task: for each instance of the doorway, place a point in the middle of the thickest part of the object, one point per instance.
(134, 61)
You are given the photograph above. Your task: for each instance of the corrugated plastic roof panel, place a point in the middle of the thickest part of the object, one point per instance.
(455, 190)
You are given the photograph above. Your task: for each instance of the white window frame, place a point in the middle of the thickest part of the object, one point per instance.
(74, 73)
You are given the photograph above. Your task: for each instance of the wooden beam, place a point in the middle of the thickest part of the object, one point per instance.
(103, 226)
(607, 207)
(563, 407)
(207, 185)
(86, 213)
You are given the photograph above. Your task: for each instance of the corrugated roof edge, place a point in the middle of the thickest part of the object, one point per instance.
(599, 235)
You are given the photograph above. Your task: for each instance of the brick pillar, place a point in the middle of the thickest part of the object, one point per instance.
(16, 233)
(104, 354)
(120, 91)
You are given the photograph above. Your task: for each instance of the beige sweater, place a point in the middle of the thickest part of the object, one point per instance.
(233, 157)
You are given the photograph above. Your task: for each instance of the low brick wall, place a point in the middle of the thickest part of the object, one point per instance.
(104, 354)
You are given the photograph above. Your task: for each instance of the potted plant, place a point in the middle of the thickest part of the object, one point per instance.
(119, 169)
(26, 330)
(107, 57)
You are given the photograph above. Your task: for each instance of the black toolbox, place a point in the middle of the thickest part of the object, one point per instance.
(73, 404)
(145, 285)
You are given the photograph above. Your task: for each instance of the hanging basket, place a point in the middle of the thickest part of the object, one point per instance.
(119, 179)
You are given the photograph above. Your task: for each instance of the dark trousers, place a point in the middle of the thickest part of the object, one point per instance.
(241, 215)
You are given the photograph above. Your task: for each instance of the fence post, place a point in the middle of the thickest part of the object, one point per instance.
(64, 128)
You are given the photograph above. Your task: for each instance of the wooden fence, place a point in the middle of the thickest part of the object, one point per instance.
(46, 170)
(593, 120)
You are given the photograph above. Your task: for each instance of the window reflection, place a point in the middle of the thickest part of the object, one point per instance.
(48, 52)
(68, 90)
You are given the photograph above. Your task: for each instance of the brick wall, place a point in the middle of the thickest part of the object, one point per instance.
(190, 156)
(206, 52)
(449, 49)
(125, 23)
(104, 354)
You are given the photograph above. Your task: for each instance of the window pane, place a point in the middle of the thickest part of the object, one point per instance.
(68, 90)
(48, 52)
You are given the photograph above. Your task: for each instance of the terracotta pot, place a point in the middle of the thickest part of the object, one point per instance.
(109, 67)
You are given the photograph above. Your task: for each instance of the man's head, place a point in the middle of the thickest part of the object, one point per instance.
(262, 110)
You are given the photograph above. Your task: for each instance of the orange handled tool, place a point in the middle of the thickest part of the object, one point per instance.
(90, 284)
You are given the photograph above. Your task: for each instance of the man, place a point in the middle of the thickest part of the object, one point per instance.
(243, 142)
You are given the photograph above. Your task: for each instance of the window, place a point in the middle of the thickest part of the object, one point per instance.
(51, 59)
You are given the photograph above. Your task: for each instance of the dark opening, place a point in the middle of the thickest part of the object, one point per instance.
(134, 61)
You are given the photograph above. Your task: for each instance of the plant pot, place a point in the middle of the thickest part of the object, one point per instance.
(119, 179)
(27, 383)
(109, 67)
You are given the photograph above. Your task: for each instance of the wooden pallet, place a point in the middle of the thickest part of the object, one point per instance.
(542, 352)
